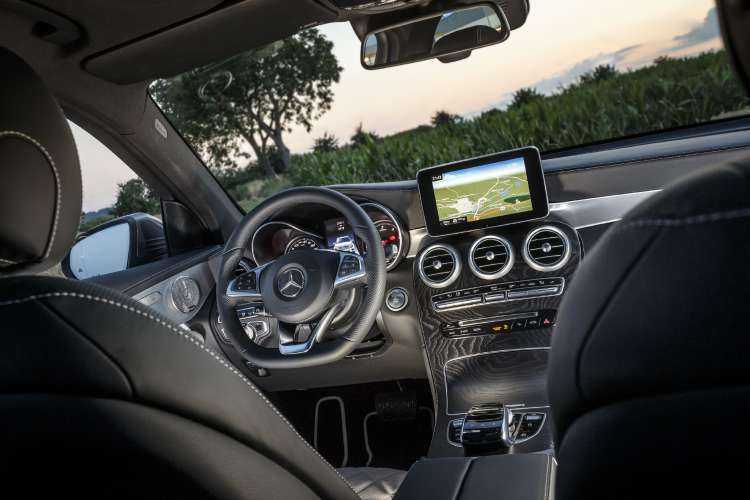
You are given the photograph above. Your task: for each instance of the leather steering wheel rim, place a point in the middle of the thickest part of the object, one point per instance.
(374, 279)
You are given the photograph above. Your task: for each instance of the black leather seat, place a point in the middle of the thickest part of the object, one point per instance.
(649, 374)
(100, 397)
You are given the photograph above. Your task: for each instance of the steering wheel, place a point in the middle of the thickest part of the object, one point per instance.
(305, 291)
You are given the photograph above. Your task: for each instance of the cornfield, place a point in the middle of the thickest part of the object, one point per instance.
(669, 93)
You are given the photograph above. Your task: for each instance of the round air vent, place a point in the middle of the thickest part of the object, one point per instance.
(546, 248)
(439, 266)
(491, 257)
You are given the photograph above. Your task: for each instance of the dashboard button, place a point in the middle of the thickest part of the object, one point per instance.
(448, 304)
(494, 297)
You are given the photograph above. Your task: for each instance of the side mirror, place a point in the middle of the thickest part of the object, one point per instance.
(116, 245)
(449, 35)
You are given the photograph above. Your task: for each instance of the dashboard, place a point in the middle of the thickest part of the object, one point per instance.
(478, 329)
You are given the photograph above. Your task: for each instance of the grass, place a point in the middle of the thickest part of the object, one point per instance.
(672, 93)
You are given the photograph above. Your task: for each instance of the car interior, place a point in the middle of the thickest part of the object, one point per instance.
(573, 329)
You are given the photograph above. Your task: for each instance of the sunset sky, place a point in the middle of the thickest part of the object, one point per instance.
(559, 41)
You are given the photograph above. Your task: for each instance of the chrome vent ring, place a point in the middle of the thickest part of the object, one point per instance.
(491, 257)
(439, 266)
(546, 248)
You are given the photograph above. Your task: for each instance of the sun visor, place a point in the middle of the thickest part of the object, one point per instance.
(734, 18)
(206, 39)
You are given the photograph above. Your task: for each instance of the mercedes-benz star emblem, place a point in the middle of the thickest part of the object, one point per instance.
(291, 282)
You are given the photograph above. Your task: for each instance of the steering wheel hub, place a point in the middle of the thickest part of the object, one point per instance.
(298, 286)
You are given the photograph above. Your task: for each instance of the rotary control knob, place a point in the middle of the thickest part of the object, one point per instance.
(396, 299)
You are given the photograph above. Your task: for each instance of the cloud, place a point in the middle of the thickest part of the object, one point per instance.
(703, 32)
(565, 78)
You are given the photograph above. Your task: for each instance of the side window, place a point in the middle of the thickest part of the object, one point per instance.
(121, 224)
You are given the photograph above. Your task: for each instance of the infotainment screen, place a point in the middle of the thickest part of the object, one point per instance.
(482, 192)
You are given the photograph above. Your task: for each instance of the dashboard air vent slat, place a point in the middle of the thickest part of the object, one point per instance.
(546, 248)
(439, 266)
(491, 257)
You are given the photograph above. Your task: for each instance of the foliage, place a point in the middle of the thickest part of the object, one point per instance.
(251, 99)
(134, 196)
(674, 93)
(524, 97)
(92, 223)
(599, 74)
(362, 137)
(326, 143)
(443, 118)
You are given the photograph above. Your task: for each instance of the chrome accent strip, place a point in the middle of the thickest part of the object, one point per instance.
(504, 270)
(456, 267)
(445, 372)
(589, 212)
(539, 267)
(416, 236)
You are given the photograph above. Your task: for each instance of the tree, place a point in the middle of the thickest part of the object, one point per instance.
(599, 74)
(252, 99)
(134, 196)
(326, 143)
(362, 137)
(522, 97)
(443, 117)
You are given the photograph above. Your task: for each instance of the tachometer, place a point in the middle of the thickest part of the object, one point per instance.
(300, 242)
(389, 238)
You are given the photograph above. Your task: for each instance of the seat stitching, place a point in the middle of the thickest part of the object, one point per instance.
(58, 197)
(685, 221)
(193, 341)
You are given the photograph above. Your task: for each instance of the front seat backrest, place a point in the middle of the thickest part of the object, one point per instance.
(100, 396)
(40, 191)
(649, 376)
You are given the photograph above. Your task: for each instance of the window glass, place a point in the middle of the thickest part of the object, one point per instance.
(302, 111)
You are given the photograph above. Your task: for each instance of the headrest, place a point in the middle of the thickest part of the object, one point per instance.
(40, 180)
(734, 18)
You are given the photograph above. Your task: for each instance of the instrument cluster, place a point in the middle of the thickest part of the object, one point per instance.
(279, 237)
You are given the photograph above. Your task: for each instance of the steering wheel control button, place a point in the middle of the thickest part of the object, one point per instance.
(246, 282)
(397, 299)
(349, 266)
(291, 281)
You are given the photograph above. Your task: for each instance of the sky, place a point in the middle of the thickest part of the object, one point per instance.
(559, 42)
(480, 173)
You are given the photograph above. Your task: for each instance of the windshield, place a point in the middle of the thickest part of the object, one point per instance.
(303, 111)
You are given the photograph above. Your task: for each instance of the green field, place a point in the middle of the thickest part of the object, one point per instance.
(503, 195)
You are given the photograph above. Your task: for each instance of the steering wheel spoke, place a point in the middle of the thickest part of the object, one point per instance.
(287, 344)
(351, 271)
(246, 286)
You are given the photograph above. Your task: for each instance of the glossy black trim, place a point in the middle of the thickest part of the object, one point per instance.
(534, 175)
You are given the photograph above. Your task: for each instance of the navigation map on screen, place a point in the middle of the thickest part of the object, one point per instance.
(482, 192)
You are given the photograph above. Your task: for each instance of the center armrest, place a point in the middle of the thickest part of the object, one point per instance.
(506, 477)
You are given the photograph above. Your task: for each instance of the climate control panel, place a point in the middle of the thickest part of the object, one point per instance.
(498, 293)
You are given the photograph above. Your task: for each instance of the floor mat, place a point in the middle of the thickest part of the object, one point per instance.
(395, 444)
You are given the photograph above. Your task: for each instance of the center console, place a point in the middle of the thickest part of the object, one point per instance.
(488, 281)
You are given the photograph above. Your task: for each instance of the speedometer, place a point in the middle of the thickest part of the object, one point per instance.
(300, 242)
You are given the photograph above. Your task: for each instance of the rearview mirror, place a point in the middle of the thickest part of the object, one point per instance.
(449, 36)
